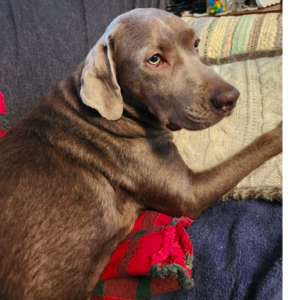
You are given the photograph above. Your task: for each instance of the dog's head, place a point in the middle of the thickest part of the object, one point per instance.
(150, 58)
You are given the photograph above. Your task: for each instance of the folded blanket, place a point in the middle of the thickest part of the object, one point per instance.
(4, 125)
(238, 253)
(155, 258)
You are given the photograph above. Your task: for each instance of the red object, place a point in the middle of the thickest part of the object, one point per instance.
(155, 258)
(4, 125)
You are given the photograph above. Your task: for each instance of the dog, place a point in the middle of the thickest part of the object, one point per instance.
(79, 169)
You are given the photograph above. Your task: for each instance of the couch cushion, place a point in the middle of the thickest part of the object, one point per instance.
(228, 39)
(259, 109)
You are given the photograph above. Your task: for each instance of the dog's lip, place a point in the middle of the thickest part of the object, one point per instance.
(173, 127)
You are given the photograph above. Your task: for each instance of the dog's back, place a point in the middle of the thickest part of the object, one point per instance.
(56, 208)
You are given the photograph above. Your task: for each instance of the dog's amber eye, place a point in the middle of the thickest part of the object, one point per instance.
(196, 44)
(155, 60)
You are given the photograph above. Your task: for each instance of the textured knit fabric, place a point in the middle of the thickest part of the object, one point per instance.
(230, 36)
(238, 253)
(4, 124)
(155, 258)
(258, 110)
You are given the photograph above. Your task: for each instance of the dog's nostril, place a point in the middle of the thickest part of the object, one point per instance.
(228, 106)
(215, 103)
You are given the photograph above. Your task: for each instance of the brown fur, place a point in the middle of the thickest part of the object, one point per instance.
(74, 180)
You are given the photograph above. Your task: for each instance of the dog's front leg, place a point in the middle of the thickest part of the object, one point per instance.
(210, 185)
(178, 190)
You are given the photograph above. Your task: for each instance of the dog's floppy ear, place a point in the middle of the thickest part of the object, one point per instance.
(99, 86)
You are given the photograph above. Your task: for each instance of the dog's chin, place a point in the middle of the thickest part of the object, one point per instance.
(198, 126)
(192, 125)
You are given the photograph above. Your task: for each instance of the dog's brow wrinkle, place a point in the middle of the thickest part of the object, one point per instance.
(162, 48)
(164, 24)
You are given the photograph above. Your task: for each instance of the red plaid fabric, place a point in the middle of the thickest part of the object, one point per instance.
(4, 125)
(155, 258)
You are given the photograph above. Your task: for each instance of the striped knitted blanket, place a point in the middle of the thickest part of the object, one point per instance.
(155, 258)
(248, 35)
(4, 124)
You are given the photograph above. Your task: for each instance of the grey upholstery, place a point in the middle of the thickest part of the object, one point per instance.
(42, 41)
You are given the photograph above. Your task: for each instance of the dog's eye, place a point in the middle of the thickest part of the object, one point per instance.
(196, 44)
(155, 60)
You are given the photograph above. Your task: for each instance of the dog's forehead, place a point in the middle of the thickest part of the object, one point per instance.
(154, 18)
(142, 24)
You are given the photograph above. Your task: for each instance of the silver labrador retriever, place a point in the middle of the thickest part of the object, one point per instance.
(78, 170)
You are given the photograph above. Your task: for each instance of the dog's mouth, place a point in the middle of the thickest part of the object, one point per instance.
(191, 121)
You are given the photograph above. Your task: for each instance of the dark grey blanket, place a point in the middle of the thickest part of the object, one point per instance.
(42, 41)
(238, 253)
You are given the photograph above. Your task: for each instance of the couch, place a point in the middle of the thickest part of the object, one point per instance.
(237, 244)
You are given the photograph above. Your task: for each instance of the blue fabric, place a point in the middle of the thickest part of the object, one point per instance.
(238, 253)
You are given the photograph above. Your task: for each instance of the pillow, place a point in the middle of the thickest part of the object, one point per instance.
(227, 39)
(259, 109)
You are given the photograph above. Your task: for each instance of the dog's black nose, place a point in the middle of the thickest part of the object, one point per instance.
(225, 100)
